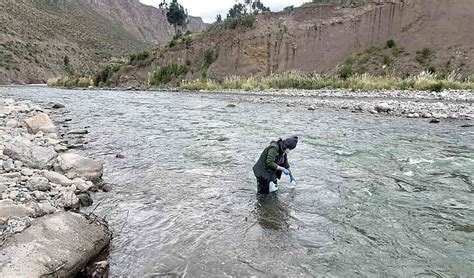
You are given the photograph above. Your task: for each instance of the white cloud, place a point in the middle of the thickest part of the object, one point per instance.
(208, 9)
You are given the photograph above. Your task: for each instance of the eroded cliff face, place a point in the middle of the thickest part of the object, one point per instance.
(317, 38)
(320, 37)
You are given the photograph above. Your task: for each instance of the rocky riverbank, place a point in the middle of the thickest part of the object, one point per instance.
(42, 188)
(435, 106)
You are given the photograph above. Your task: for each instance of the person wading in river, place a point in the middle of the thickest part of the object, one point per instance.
(272, 163)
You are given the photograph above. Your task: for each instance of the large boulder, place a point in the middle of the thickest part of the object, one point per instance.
(76, 166)
(32, 155)
(58, 245)
(40, 122)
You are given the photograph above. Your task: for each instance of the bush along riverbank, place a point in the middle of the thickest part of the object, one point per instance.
(42, 188)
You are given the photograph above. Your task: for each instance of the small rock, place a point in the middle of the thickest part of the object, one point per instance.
(85, 199)
(13, 195)
(106, 187)
(18, 225)
(60, 148)
(467, 125)
(38, 183)
(46, 208)
(231, 105)
(311, 108)
(27, 172)
(58, 106)
(8, 165)
(426, 115)
(3, 188)
(78, 131)
(434, 121)
(11, 123)
(413, 115)
(57, 178)
(120, 156)
(18, 164)
(383, 107)
(40, 195)
(13, 175)
(69, 200)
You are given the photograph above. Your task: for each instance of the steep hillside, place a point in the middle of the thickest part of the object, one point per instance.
(41, 39)
(428, 35)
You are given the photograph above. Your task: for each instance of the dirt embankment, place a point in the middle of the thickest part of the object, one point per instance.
(433, 35)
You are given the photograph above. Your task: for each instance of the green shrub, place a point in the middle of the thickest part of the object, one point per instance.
(387, 60)
(102, 78)
(345, 72)
(245, 21)
(390, 44)
(134, 58)
(165, 74)
(209, 59)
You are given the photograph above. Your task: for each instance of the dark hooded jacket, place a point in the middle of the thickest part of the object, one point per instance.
(273, 156)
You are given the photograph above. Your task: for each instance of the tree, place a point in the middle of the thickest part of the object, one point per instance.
(219, 18)
(248, 7)
(175, 13)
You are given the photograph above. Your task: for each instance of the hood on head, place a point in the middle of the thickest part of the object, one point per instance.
(291, 142)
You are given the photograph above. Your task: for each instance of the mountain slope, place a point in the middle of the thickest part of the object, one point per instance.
(435, 35)
(41, 39)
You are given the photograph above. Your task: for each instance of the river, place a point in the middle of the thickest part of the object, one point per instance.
(377, 196)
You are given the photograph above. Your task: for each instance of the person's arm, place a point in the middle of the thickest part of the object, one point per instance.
(271, 157)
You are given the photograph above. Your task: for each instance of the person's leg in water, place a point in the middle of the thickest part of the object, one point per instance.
(265, 186)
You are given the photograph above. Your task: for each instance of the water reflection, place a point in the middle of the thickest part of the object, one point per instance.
(272, 214)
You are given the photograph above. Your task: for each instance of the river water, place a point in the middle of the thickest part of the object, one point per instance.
(377, 196)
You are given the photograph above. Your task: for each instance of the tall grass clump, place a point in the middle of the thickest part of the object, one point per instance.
(134, 58)
(364, 82)
(200, 85)
(70, 82)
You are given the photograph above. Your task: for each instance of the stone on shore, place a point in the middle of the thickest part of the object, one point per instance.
(78, 131)
(59, 245)
(69, 200)
(32, 155)
(40, 122)
(76, 166)
(9, 209)
(38, 183)
(57, 178)
(383, 107)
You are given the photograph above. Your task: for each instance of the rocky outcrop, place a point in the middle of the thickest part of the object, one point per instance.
(57, 245)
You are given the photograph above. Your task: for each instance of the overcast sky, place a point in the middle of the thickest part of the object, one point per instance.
(208, 9)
